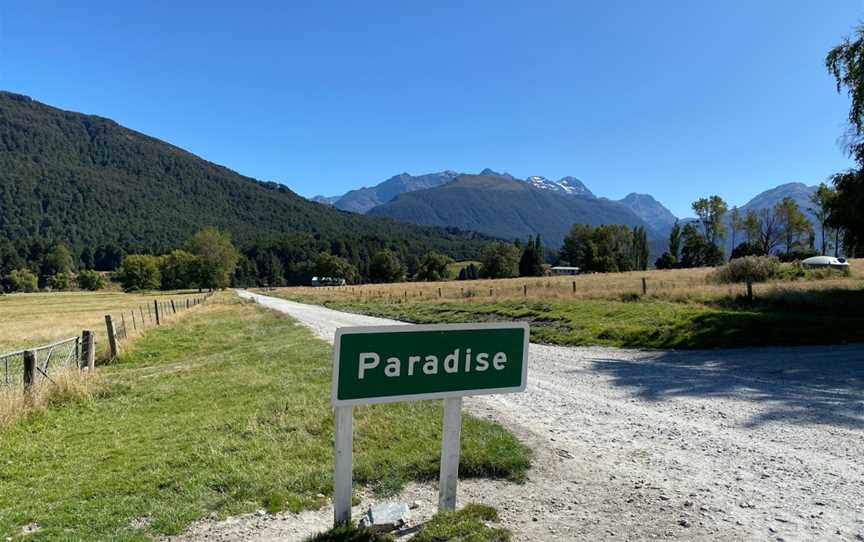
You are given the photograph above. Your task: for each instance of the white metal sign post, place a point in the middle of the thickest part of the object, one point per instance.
(385, 364)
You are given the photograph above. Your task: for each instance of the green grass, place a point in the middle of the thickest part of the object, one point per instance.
(226, 410)
(791, 318)
(466, 525)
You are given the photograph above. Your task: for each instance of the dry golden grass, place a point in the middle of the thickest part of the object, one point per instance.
(683, 285)
(66, 385)
(30, 320)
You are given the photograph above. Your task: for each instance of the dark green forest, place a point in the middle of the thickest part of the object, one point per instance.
(105, 191)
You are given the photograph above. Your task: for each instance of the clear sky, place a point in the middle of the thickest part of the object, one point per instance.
(677, 99)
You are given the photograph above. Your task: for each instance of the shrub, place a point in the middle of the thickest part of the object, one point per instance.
(60, 281)
(746, 249)
(753, 268)
(139, 272)
(22, 280)
(90, 280)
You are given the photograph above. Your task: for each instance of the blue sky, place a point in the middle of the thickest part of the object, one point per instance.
(677, 99)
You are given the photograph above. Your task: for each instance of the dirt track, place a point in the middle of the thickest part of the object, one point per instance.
(757, 444)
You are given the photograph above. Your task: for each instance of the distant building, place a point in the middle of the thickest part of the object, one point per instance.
(328, 281)
(564, 270)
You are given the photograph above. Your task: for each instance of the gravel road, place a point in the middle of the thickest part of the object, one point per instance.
(744, 444)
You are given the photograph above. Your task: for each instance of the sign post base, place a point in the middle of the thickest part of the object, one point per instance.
(342, 477)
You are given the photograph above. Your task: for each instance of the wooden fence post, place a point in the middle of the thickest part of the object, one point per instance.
(749, 290)
(123, 322)
(173, 308)
(143, 322)
(644, 286)
(156, 310)
(439, 292)
(112, 337)
(134, 326)
(29, 369)
(574, 286)
(187, 303)
(525, 290)
(88, 349)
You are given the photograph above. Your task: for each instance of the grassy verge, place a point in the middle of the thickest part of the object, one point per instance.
(227, 410)
(780, 318)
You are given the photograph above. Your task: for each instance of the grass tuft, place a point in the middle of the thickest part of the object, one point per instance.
(469, 524)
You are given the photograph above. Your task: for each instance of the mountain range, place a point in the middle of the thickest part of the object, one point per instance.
(533, 205)
(88, 181)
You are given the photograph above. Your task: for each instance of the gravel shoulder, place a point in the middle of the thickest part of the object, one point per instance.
(755, 444)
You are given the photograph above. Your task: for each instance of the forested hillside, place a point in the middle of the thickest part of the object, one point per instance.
(103, 190)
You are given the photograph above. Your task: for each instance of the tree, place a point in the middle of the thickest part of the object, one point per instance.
(139, 272)
(60, 281)
(821, 200)
(217, 257)
(531, 262)
(179, 270)
(711, 211)
(500, 260)
(87, 261)
(846, 63)
(665, 261)
(794, 225)
(22, 280)
(434, 267)
(246, 273)
(640, 250)
(675, 243)
(752, 227)
(328, 265)
(59, 260)
(698, 250)
(386, 267)
(90, 280)
(469, 272)
(736, 223)
(765, 229)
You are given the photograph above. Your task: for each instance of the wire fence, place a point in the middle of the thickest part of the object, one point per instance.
(24, 368)
(63, 354)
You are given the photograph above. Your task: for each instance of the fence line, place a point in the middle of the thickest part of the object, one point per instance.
(27, 367)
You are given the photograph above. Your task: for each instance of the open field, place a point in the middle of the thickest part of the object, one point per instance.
(224, 411)
(681, 309)
(28, 320)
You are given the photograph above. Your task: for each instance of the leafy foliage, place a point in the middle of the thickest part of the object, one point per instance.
(22, 280)
(217, 257)
(531, 262)
(386, 267)
(605, 249)
(752, 268)
(499, 261)
(90, 280)
(434, 267)
(697, 250)
(139, 272)
(327, 265)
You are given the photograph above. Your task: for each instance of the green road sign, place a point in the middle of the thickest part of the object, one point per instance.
(397, 363)
(382, 364)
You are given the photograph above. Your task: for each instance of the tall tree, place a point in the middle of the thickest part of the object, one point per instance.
(500, 261)
(531, 262)
(711, 212)
(736, 223)
(821, 200)
(846, 63)
(675, 242)
(386, 267)
(794, 225)
(217, 257)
